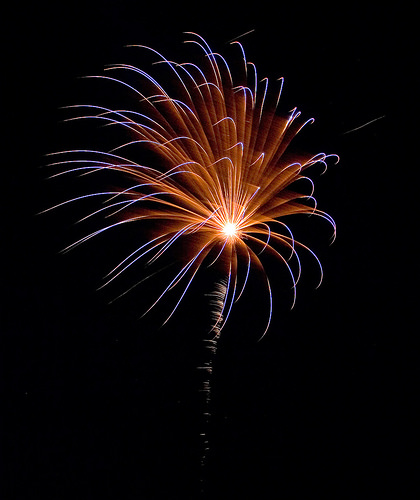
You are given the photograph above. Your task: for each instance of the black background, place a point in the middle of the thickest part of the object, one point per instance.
(98, 404)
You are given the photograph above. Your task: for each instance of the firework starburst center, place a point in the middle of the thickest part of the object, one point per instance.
(222, 180)
(230, 230)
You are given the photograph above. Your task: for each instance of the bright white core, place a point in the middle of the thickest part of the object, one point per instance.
(230, 229)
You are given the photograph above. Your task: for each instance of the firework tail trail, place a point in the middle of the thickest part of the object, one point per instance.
(218, 299)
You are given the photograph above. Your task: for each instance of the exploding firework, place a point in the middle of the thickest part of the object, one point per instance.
(220, 182)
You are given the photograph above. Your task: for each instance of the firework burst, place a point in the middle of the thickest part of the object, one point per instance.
(220, 182)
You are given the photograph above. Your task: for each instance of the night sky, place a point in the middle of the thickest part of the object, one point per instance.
(98, 403)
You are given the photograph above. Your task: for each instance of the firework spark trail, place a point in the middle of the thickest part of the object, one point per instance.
(218, 299)
(222, 178)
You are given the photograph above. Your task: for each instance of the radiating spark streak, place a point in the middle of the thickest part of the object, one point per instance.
(268, 237)
(150, 242)
(210, 55)
(78, 198)
(280, 256)
(270, 314)
(259, 264)
(248, 267)
(125, 202)
(218, 149)
(164, 60)
(219, 254)
(103, 77)
(121, 113)
(91, 168)
(91, 151)
(170, 242)
(128, 290)
(281, 80)
(263, 98)
(95, 233)
(177, 279)
(188, 285)
(243, 54)
(291, 238)
(133, 261)
(111, 121)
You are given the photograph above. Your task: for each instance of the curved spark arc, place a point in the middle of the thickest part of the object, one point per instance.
(218, 149)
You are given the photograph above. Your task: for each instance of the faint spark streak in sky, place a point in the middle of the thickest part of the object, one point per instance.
(364, 125)
(240, 36)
